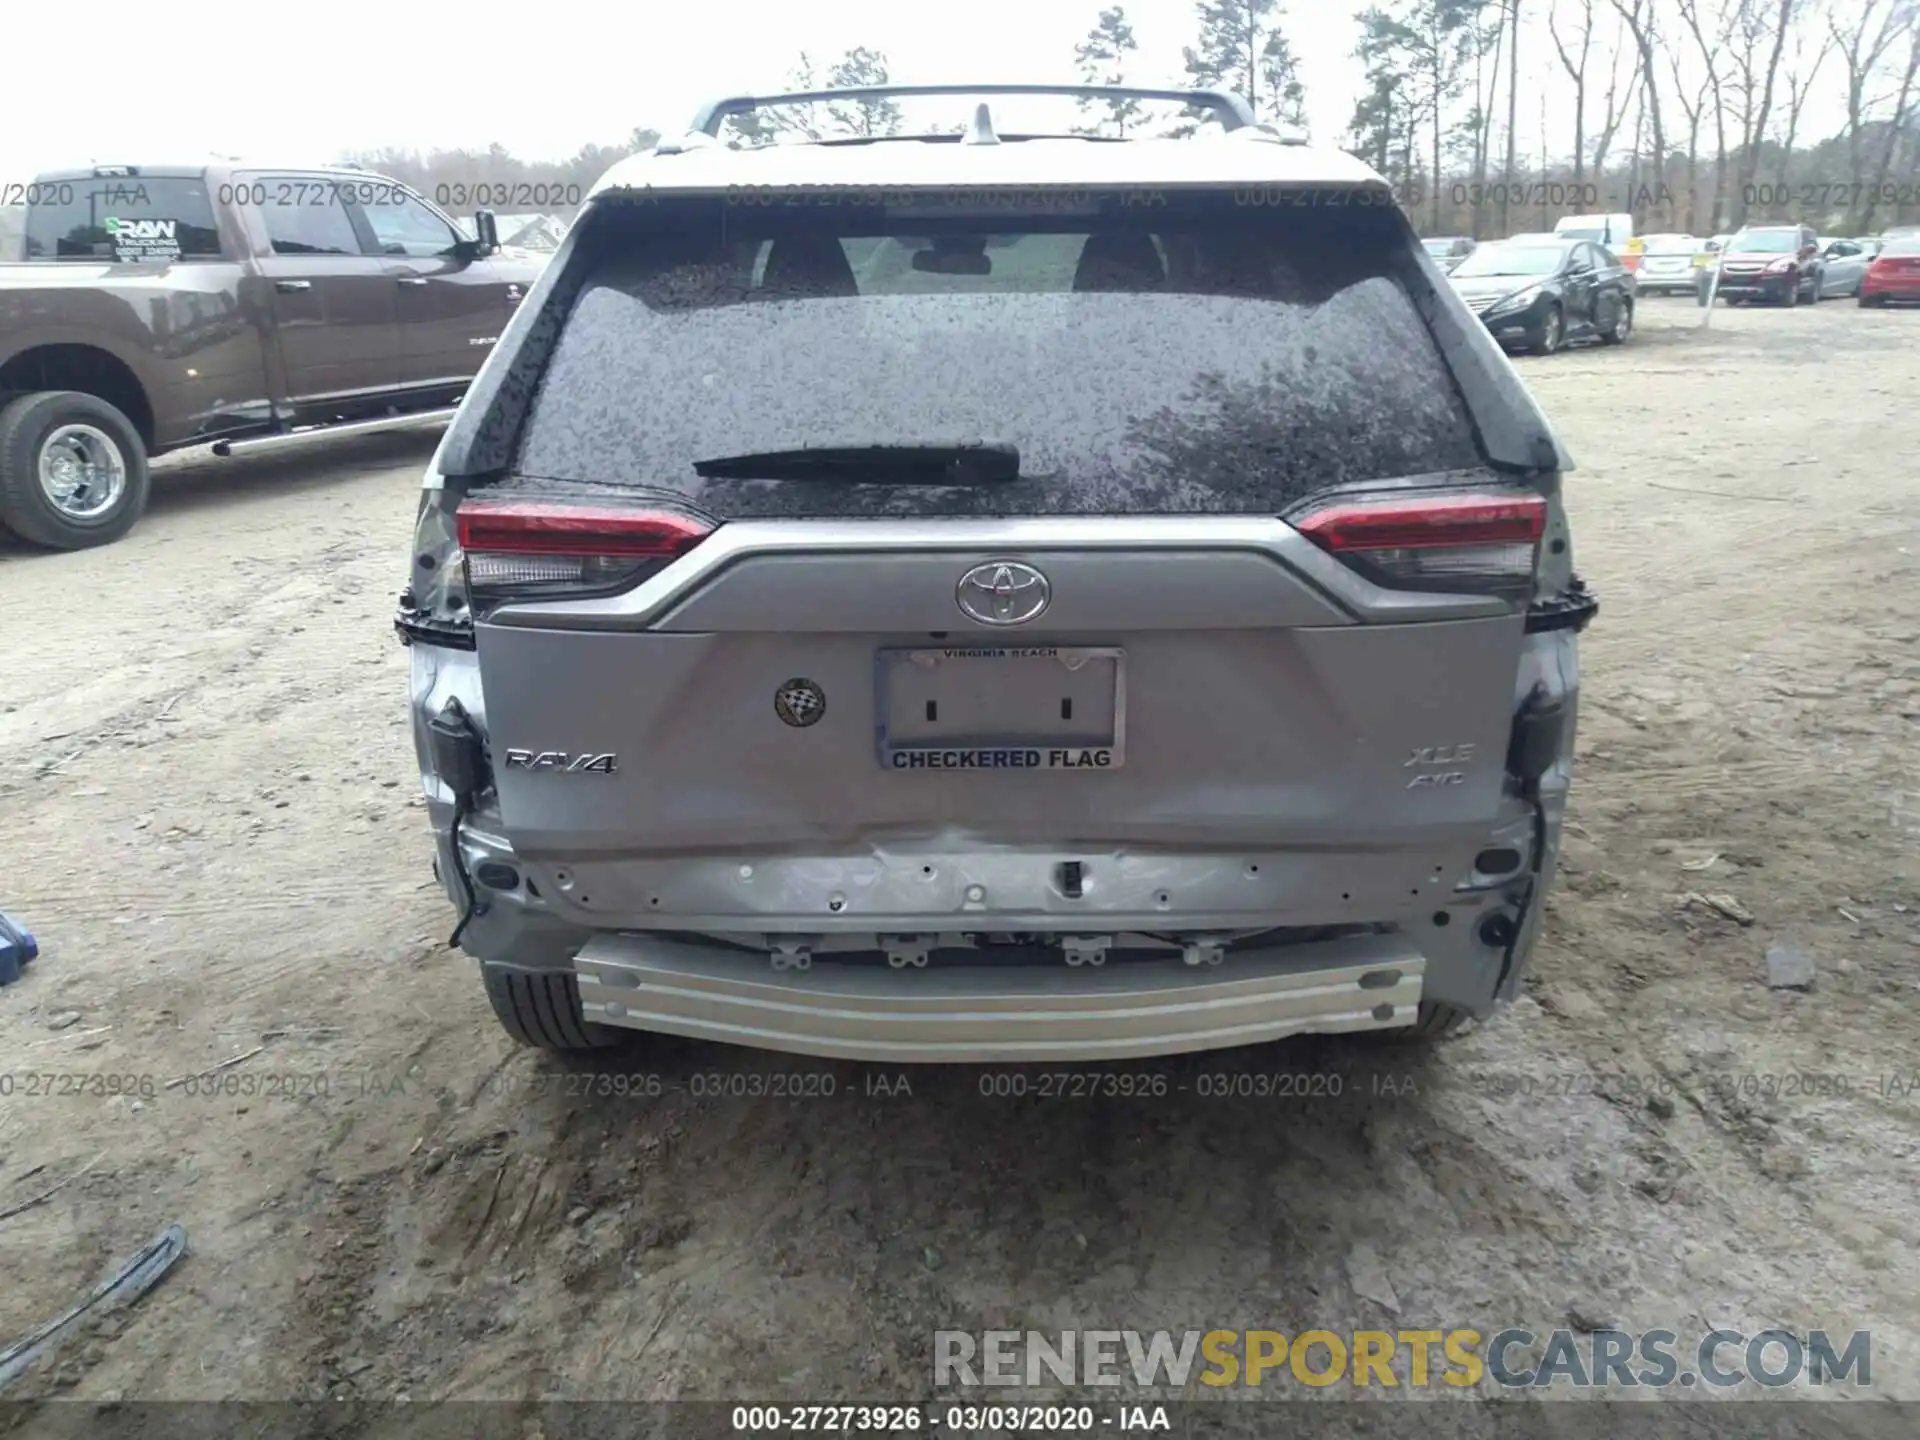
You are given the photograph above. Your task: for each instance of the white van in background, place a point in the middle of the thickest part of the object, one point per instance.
(1613, 231)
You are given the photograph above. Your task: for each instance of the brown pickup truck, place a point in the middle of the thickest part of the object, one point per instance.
(156, 307)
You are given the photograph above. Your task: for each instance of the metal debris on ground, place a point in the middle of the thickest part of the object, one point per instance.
(1789, 968)
(1721, 904)
(132, 1280)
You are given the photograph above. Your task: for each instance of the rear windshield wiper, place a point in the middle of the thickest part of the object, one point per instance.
(975, 463)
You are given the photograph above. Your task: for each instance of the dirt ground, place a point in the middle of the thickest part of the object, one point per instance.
(207, 813)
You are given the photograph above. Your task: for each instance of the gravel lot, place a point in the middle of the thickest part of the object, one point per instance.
(207, 813)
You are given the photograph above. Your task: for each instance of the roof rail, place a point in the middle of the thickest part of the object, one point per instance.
(1232, 111)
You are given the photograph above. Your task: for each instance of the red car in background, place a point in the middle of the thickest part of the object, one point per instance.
(1894, 273)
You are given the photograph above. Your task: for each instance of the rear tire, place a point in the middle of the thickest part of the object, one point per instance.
(1622, 327)
(1436, 1021)
(27, 423)
(1869, 302)
(1552, 329)
(541, 1008)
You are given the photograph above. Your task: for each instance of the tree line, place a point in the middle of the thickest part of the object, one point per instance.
(1687, 113)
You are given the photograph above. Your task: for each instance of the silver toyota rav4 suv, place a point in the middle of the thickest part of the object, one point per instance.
(984, 596)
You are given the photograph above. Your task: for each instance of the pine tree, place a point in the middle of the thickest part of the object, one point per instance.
(1241, 47)
(1102, 58)
(861, 66)
(823, 120)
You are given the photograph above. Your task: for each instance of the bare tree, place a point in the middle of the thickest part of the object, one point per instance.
(1618, 103)
(1442, 33)
(1711, 63)
(1802, 71)
(1897, 123)
(1577, 72)
(1863, 40)
(1694, 110)
(1640, 20)
(1760, 27)
(1486, 84)
(1513, 95)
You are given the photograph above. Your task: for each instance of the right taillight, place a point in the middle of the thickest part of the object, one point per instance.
(1426, 541)
(544, 550)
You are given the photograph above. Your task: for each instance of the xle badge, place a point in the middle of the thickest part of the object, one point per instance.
(800, 703)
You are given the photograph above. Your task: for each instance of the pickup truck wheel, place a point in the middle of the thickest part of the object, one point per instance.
(542, 1008)
(73, 472)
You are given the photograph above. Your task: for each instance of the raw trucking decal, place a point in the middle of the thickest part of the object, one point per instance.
(144, 239)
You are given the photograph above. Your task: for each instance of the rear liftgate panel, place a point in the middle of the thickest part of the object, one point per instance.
(813, 741)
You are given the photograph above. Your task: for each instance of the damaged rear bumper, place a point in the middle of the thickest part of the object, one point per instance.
(1006, 1014)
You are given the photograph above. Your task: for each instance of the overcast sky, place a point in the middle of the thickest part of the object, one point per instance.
(121, 81)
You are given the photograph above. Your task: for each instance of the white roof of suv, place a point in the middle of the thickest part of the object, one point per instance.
(1238, 153)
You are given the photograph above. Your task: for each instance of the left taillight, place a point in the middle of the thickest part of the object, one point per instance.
(545, 550)
(1478, 542)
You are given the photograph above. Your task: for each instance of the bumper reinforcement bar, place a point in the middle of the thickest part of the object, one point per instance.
(1006, 1014)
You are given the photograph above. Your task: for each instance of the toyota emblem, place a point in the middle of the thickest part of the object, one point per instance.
(1003, 592)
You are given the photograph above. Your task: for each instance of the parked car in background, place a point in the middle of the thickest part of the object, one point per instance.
(164, 306)
(1778, 263)
(1893, 274)
(1539, 294)
(1449, 250)
(1843, 267)
(948, 796)
(1869, 243)
(1667, 265)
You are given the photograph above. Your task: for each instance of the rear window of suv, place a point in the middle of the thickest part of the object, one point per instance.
(1192, 357)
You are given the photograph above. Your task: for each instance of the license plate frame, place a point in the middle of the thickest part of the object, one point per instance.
(1103, 748)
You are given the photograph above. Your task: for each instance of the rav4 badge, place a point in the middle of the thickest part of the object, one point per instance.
(584, 764)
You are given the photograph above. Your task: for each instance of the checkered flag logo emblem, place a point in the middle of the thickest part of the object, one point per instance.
(800, 703)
